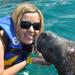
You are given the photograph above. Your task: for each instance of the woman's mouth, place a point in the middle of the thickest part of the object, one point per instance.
(28, 37)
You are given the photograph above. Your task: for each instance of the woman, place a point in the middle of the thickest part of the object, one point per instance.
(17, 35)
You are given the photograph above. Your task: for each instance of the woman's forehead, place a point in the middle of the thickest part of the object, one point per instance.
(34, 17)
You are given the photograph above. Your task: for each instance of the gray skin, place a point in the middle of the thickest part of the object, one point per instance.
(58, 51)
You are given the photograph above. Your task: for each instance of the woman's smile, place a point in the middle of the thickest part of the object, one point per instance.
(28, 37)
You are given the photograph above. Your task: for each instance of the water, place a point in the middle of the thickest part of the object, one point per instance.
(38, 69)
(59, 16)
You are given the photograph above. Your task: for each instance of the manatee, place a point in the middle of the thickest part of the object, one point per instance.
(58, 51)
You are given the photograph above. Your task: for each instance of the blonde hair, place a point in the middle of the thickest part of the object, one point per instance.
(26, 8)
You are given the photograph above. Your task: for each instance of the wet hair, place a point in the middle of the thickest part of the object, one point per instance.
(26, 8)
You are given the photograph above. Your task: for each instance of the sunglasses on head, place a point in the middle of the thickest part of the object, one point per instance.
(27, 24)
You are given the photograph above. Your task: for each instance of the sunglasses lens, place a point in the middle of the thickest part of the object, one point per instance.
(25, 24)
(36, 26)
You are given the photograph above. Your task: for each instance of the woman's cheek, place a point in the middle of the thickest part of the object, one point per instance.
(36, 33)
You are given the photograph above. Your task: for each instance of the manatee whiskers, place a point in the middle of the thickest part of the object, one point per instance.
(58, 51)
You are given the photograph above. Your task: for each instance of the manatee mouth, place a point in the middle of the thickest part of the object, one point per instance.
(44, 42)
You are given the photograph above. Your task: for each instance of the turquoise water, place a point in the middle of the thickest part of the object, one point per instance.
(38, 69)
(59, 18)
(59, 14)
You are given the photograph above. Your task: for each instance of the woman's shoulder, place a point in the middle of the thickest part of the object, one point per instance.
(3, 38)
(3, 26)
(6, 26)
(5, 22)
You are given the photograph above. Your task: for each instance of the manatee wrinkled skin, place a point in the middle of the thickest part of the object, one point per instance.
(58, 51)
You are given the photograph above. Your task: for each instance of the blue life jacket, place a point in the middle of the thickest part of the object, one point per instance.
(16, 52)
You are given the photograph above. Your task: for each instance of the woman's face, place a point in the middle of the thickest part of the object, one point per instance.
(29, 26)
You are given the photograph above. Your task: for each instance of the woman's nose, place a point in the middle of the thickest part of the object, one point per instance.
(31, 29)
